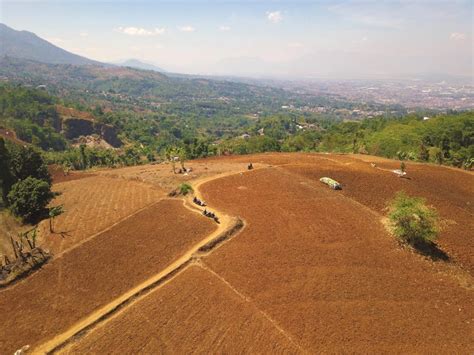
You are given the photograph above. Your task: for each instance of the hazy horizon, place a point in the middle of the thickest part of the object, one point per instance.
(324, 39)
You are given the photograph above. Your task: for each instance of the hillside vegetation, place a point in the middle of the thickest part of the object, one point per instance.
(42, 120)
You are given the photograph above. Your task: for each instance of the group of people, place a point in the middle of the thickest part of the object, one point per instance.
(199, 202)
(185, 171)
(210, 215)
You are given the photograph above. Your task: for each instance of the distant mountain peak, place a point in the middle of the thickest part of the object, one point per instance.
(27, 45)
(138, 64)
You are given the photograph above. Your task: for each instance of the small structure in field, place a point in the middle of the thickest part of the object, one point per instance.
(333, 184)
(400, 173)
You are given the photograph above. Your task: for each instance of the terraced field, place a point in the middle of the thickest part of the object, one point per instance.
(91, 205)
(313, 270)
(89, 277)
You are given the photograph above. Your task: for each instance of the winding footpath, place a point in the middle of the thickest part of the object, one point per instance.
(227, 228)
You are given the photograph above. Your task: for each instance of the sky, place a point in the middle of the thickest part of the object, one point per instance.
(288, 39)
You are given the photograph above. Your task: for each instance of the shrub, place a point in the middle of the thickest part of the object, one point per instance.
(413, 221)
(184, 189)
(28, 198)
(436, 155)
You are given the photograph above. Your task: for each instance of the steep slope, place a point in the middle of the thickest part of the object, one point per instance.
(27, 45)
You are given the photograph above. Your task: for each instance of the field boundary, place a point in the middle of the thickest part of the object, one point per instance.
(228, 228)
(249, 300)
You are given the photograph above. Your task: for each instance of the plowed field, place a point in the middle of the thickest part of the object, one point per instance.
(314, 270)
(92, 204)
(194, 313)
(88, 277)
(324, 268)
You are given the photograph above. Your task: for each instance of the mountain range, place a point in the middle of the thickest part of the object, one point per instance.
(27, 45)
(138, 64)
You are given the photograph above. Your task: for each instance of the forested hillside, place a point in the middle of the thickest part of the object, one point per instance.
(44, 121)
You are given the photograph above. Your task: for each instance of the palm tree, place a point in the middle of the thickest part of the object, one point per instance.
(181, 153)
(54, 212)
(170, 154)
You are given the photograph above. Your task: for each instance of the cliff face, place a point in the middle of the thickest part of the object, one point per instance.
(109, 134)
(74, 127)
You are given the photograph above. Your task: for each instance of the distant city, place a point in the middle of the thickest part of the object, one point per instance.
(412, 94)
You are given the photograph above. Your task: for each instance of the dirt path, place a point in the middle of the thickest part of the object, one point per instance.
(228, 225)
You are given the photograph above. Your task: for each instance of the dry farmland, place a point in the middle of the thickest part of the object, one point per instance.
(313, 269)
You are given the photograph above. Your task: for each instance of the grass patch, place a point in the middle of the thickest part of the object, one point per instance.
(185, 188)
(415, 223)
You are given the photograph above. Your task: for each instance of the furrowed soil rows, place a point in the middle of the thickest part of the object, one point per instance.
(91, 205)
(450, 191)
(325, 269)
(194, 313)
(69, 288)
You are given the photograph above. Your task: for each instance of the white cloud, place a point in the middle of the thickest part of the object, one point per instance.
(224, 28)
(83, 34)
(186, 28)
(138, 31)
(295, 45)
(274, 16)
(457, 36)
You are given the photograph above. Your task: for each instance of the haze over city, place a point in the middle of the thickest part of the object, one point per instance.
(316, 39)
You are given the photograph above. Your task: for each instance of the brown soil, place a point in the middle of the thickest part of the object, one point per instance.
(70, 287)
(161, 175)
(10, 135)
(314, 270)
(71, 112)
(324, 268)
(91, 205)
(58, 175)
(194, 313)
(450, 191)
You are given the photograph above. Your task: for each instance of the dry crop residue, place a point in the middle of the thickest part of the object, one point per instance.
(71, 287)
(91, 205)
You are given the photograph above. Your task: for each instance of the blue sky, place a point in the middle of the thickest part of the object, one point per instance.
(257, 38)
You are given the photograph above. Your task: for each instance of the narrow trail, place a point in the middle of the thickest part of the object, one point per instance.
(228, 227)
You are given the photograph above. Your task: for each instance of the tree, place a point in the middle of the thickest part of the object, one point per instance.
(54, 212)
(423, 153)
(26, 161)
(28, 198)
(170, 156)
(83, 156)
(413, 221)
(436, 155)
(182, 157)
(5, 175)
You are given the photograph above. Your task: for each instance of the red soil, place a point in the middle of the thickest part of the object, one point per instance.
(324, 268)
(313, 270)
(88, 277)
(194, 313)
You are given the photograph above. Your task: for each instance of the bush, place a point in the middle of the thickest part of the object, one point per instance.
(184, 189)
(28, 198)
(413, 221)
